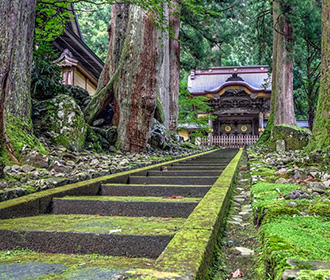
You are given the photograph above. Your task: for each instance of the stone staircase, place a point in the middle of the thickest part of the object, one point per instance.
(137, 215)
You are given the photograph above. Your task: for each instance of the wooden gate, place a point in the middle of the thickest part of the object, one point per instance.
(230, 141)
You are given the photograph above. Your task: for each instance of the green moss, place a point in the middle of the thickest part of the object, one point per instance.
(301, 238)
(132, 198)
(159, 111)
(295, 137)
(96, 224)
(20, 135)
(73, 261)
(314, 275)
(263, 172)
(320, 208)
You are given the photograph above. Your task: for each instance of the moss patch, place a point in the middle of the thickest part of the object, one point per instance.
(96, 224)
(132, 198)
(301, 238)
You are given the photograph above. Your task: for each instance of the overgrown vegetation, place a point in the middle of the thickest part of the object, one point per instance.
(289, 229)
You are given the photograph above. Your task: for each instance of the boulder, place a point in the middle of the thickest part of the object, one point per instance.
(157, 135)
(112, 135)
(294, 137)
(61, 120)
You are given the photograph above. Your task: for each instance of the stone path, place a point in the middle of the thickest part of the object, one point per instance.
(135, 216)
(240, 240)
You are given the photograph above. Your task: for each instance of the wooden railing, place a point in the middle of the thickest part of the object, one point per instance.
(230, 141)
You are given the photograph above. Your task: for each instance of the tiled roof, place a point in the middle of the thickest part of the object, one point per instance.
(211, 80)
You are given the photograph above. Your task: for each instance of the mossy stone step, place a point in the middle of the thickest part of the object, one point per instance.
(125, 206)
(154, 190)
(210, 164)
(141, 237)
(175, 180)
(184, 173)
(189, 168)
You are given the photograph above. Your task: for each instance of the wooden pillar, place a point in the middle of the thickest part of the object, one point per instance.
(261, 120)
(210, 127)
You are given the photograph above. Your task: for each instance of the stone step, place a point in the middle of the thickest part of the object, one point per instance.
(189, 168)
(113, 236)
(154, 190)
(125, 206)
(175, 180)
(209, 164)
(182, 173)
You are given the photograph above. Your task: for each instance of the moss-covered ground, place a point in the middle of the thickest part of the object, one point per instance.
(290, 229)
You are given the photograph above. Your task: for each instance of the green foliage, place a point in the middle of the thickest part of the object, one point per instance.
(190, 106)
(46, 74)
(94, 22)
(50, 19)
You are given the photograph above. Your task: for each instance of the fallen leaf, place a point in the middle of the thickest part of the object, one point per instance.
(237, 273)
(175, 197)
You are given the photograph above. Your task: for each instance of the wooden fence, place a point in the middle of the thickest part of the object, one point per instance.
(230, 141)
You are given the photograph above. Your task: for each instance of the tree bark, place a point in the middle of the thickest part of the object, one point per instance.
(17, 21)
(282, 81)
(321, 129)
(128, 80)
(174, 68)
(135, 88)
(282, 105)
(105, 94)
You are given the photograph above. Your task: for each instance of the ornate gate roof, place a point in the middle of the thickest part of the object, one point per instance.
(254, 80)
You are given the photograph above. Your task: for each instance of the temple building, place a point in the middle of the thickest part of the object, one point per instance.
(239, 97)
(80, 65)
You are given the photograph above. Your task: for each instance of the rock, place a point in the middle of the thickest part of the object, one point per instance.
(326, 184)
(297, 194)
(281, 181)
(300, 174)
(59, 168)
(294, 137)
(157, 135)
(98, 122)
(27, 168)
(112, 135)
(61, 120)
(293, 204)
(244, 251)
(316, 186)
(280, 146)
(36, 159)
(94, 162)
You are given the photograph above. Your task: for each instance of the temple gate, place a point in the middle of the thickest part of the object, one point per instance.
(240, 99)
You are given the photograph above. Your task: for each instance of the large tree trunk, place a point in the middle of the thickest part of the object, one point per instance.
(128, 80)
(321, 129)
(174, 69)
(282, 82)
(282, 105)
(17, 20)
(105, 94)
(135, 87)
